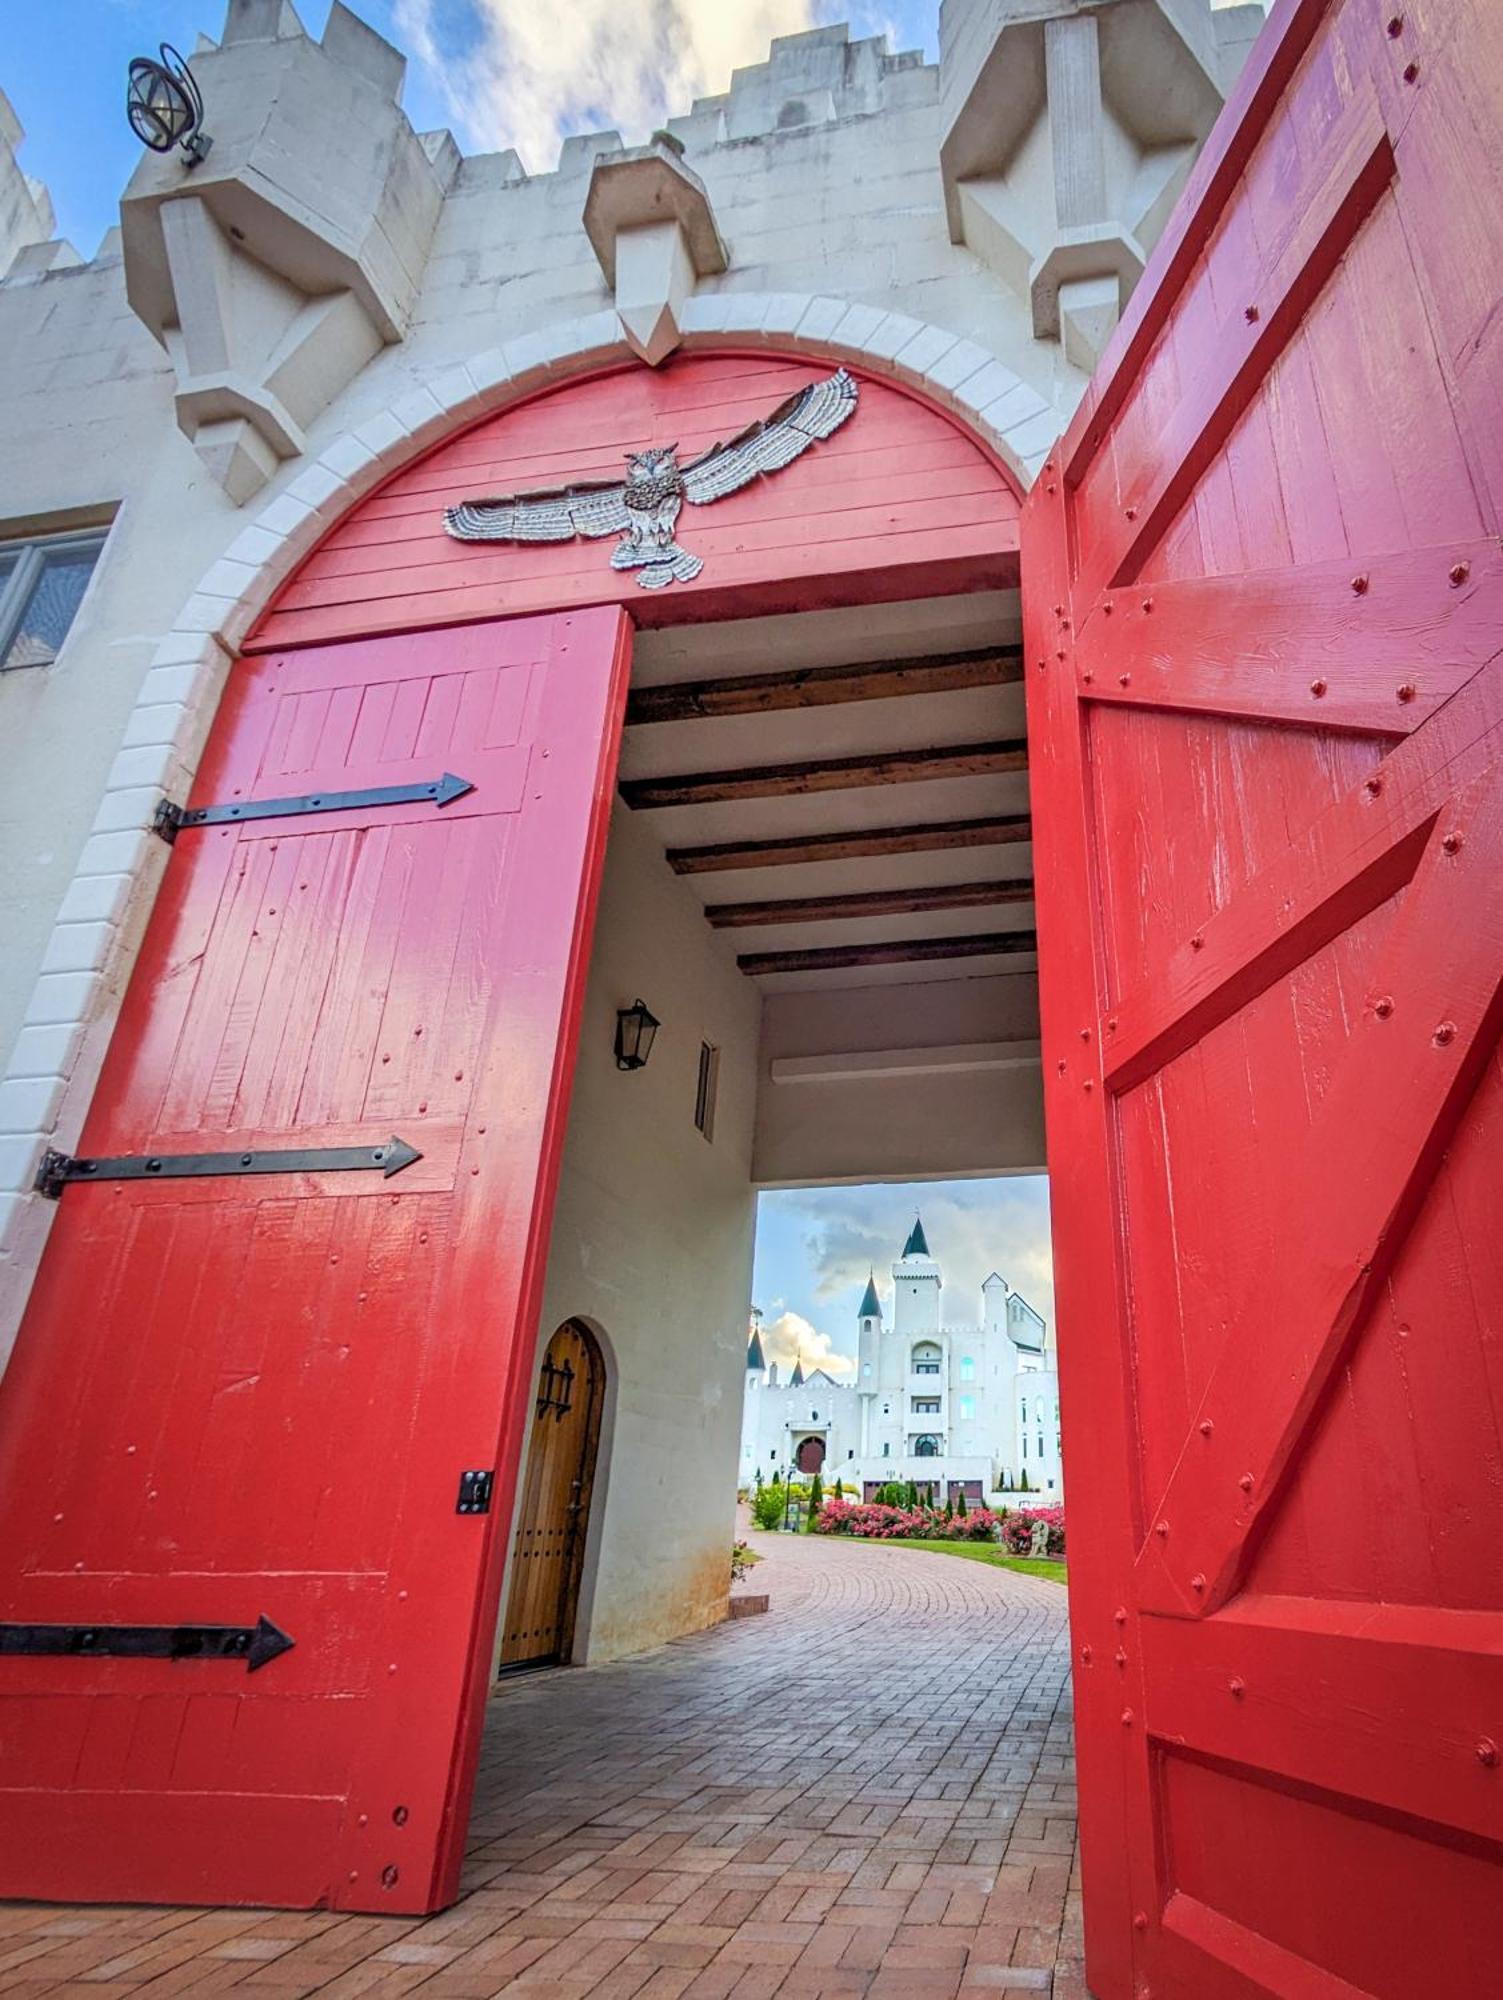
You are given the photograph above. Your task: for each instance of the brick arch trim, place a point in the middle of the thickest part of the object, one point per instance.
(51, 1073)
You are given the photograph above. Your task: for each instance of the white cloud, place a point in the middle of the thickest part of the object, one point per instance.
(973, 1228)
(790, 1337)
(524, 73)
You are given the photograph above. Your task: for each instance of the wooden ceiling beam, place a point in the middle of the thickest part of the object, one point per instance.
(826, 774)
(859, 845)
(868, 903)
(839, 957)
(820, 687)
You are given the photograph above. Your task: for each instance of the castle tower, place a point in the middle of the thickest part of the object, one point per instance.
(869, 1336)
(916, 1286)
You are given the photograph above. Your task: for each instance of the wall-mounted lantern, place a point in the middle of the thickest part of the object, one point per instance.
(165, 106)
(635, 1028)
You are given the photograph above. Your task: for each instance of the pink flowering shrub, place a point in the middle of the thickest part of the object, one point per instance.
(873, 1522)
(1017, 1529)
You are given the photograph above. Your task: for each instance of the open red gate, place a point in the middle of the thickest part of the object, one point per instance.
(1264, 612)
(240, 1397)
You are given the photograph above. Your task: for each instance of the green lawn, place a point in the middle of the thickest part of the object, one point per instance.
(988, 1552)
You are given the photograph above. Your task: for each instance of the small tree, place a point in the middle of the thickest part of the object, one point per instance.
(816, 1499)
(961, 1510)
(1023, 1486)
(913, 1493)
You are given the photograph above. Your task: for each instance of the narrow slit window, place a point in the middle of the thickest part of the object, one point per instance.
(709, 1083)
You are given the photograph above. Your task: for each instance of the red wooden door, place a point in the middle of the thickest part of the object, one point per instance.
(1264, 613)
(240, 1397)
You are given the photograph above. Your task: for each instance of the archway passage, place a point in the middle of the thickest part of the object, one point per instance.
(553, 1512)
(328, 1373)
(811, 1455)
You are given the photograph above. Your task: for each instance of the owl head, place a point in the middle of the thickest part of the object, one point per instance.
(657, 459)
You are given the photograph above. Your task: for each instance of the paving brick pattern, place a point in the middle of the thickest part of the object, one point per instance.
(869, 1791)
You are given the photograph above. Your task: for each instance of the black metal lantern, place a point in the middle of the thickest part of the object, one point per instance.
(635, 1028)
(165, 106)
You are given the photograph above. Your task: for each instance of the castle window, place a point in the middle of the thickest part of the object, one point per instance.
(41, 587)
(926, 1406)
(1024, 1407)
(705, 1091)
(814, 1416)
(926, 1447)
(967, 1368)
(967, 1408)
(866, 1368)
(1025, 1447)
(887, 1451)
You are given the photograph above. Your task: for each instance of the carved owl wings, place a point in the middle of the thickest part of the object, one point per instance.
(643, 508)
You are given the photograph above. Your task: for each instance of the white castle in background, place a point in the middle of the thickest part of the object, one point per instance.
(972, 1407)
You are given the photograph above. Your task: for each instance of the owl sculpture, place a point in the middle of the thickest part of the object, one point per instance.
(643, 509)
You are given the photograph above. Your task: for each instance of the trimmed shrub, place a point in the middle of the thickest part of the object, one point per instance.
(768, 1505)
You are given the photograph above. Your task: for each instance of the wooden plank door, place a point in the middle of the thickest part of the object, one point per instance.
(1264, 615)
(553, 1512)
(244, 1397)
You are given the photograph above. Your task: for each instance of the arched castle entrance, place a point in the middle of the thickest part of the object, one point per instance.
(1261, 649)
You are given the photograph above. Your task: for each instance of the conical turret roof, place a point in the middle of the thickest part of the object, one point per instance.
(917, 1244)
(871, 1305)
(755, 1358)
(796, 1379)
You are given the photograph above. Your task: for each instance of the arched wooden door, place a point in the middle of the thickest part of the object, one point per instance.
(811, 1455)
(554, 1513)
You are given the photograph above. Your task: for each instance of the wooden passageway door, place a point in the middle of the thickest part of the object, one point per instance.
(553, 1512)
(1264, 620)
(249, 1396)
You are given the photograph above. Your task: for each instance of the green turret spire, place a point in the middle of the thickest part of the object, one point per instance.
(871, 1305)
(917, 1244)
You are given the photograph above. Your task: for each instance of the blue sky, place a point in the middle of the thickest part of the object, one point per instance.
(816, 1246)
(498, 72)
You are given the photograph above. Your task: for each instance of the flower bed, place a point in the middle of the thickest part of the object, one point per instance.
(870, 1521)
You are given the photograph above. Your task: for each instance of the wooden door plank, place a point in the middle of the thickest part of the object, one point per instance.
(1359, 852)
(1403, 1083)
(1375, 647)
(826, 774)
(1210, 1955)
(1236, 136)
(1309, 1689)
(1344, 185)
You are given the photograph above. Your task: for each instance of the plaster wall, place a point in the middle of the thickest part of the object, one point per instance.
(956, 1115)
(652, 1244)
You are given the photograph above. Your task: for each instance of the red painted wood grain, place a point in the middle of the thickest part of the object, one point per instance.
(899, 502)
(242, 1396)
(1267, 764)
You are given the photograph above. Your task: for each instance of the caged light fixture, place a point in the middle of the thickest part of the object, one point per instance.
(165, 106)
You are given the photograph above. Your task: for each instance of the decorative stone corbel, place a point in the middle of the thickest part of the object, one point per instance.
(650, 224)
(1068, 131)
(275, 270)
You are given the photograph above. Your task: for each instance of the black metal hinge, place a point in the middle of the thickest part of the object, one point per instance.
(59, 1170)
(254, 1644)
(169, 820)
(475, 1492)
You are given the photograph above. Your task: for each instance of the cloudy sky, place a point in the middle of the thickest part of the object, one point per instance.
(499, 73)
(815, 1248)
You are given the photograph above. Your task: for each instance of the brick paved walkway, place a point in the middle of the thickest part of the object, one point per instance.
(867, 1792)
